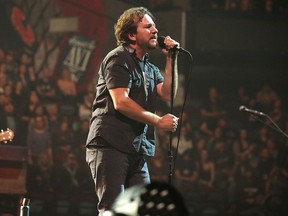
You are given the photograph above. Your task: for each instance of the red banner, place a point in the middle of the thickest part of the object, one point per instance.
(82, 51)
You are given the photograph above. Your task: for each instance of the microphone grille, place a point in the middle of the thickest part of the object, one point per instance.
(161, 43)
(241, 108)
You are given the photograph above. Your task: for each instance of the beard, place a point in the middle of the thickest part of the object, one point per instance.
(152, 45)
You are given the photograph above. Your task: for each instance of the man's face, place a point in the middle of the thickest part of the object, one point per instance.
(146, 36)
(9, 108)
(39, 122)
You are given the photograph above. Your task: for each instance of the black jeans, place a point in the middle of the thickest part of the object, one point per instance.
(113, 171)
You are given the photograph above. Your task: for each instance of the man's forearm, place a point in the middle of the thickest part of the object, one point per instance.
(134, 111)
(166, 88)
(131, 109)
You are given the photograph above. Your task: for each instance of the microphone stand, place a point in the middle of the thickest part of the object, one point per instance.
(274, 127)
(170, 150)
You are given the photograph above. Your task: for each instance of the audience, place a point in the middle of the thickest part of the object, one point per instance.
(40, 174)
(244, 6)
(66, 85)
(46, 86)
(220, 155)
(63, 140)
(39, 139)
(206, 170)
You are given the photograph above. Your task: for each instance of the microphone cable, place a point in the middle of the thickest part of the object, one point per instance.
(183, 107)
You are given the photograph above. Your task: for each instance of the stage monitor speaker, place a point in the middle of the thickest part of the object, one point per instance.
(13, 169)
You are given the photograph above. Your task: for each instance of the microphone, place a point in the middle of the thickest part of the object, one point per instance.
(162, 45)
(243, 108)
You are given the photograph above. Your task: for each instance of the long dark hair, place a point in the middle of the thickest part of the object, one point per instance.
(128, 22)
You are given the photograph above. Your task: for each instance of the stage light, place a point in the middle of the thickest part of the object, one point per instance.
(157, 198)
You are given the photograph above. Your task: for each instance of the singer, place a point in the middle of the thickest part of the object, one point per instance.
(121, 133)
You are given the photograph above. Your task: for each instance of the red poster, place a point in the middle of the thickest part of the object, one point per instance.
(81, 51)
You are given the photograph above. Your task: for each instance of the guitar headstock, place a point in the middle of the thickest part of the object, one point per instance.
(7, 135)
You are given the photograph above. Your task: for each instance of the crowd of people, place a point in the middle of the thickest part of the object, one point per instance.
(228, 161)
(51, 119)
(244, 6)
(225, 159)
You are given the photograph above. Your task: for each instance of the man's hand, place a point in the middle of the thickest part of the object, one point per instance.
(168, 122)
(169, 45)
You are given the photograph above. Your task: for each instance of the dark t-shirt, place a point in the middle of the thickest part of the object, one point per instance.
(121, 69)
